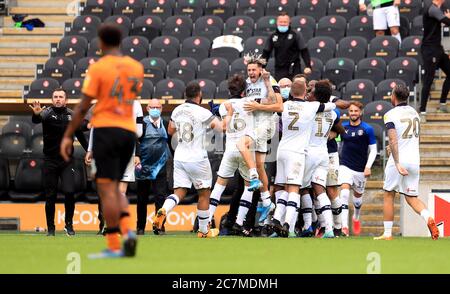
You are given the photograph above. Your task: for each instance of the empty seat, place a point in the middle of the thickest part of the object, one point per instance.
(73, 87)
(169, 89)
(165, 47)
(214, 69)
(154, 69)
(374, 112)
(352, 47)
(275, 7)
(372, 68)
(28, 180)
(94, 48)
(42, 88)
(208, 88)
(241, 26)
(322, 48)
(222, 91)
(227, 47)
(405, 69)
(17, 127)
(178, 26)
(221, 8)
(4, 176)
(332, 26)
(82, 66)
(410, 47)
(58, 68)
(362, 90)
(182, 68)
(131, 8)
(266, 26)
(122, 21)
(12, 145)
(135, 47)
(385, 87)
(148, 26)
(192, 8)
(315, 8)
(86, 26)
(305, 25)
(254, 45)
(316, 68)
(161, 8)
(417, 26)
(37, 145)
(251, 8)
(339, 71)
(345, 8)
(238, 67)
(147, 90)
(209, 26)
(362, 26)
(99, 8)
(195, 47)
(410, 8)
(385, 47)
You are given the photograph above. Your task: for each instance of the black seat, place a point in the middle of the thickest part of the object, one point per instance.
(227, 47)
(154, 69)
(332, 26)
(124, 23)
(384, 89)
(266, 26)
(99, 8)
(58, 68)
(238, 67)
(169, 89)
(410, 8)
(161, 8)
(361, 90)
(241, 26)
(352, 47)
(4, 177)
(37, 145)
(178, 26)
(316, 68)
(322, 48)
(73, 87)
(12, 145)
(345, 8)
(251, 8)
(85, 26)
(417, 26)
(339, 71)
(385, 47)
(147, 90)
(165, 47)
(135, 47)
(208, 88)
(275, 7)
(148, 26)
(410, 47)
(28, 180)
(375, 111)
(208, 26)
(193, 9)
(221, 8)
(195, 47)
(17, 127)
(372, 68)
(405, 69)
(362, 26)
(182, 68)
(82, 66)
(305, 25)
(214, 69)
(314, 8)
(42, 88)
(94, 48)
(130, 8)
(222, 90)
(254, 44)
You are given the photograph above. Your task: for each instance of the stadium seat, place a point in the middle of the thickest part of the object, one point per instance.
(135, 47)
(165, 47)
(384, 89)
(251, 8)
(130, 8)
(36, 129)
(4, 177)
(238, 67)
(353, 47)
(317, 69)
(94, 49)
(362, 26)
(37, 145)
(100, 8)
(148, 26)
(227, 47)
(405, 69)
(147, 90)
(178, 26)
(182, 68)
(339, 71)
(254, 44)
(404, 27)
(345, 8)
(154, 69)
(332, 26)
(208, 88)
(192, 8)
(385, 47)
(222, 90)
(58, 68)
(214, 69)
(241, 26)
(410, 8)
(124, 23)
(82, 66)
(160, 8)
(28, 180)
(417, 26)
(169, 89)
(314, 8)
(73, 87)
(361, 90)
(18, 127)
(410, 47)
(42, 88)
(275, 7)
(85, 26)
(304, 24)
(372, 68)
(221, 8)
(12, 145)
(266, 26)
(375, 111)
(208, 26)
(195, 47)
(270, 67)
(322, 48)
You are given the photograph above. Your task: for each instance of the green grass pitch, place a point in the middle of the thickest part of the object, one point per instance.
(183, 253)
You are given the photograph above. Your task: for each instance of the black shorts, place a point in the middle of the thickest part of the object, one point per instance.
(112, 150)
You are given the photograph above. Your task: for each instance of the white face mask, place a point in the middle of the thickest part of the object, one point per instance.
(285, 93)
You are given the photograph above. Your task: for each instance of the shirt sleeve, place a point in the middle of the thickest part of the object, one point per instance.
(222, 110)
(275, 86)
(137, 108)
(91, 83)
(206, 116)
(371, 134)
(301, 44)
(91, 137)
(268, 47)
(436, 13)
(388, 123)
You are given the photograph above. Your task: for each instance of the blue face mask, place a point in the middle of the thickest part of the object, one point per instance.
(155, 113)
(282, 29)
(285, 93)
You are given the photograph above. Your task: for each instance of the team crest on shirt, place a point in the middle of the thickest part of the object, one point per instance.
(360, 132)
(275, 38)
(290, 36)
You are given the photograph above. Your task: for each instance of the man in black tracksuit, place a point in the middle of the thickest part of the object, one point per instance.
(289, 46)
(54, 121)
(433, 53)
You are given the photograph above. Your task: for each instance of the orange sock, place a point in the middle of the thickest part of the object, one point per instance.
(124, 223)
(113, 239)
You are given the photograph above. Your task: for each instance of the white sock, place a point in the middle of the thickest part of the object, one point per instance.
(292, 228)
(280, 210)
(203, 220)
(336, 209)
(398, 37)
(357, 203)
(265, 198)
(214, 199)
(314, 215)
(171, 202)
(306, 209)
(325, 208)
(253, 173)
(344, 195)
(291, 209)
(425, 214)
(318, 213)
(388, 228)
(244, 206)
(278, 194)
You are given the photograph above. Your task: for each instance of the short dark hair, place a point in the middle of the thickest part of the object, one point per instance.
(283, 13)
(192, 90)
(60, 90)
(110, 35)
(299, 76)
(236, 85)
(401, 92)
(322, 91)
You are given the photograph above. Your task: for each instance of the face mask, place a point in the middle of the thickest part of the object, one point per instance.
(285, 92)
(282, 29)
(155, 113)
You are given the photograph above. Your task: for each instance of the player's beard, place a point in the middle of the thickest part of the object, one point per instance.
(354, 119)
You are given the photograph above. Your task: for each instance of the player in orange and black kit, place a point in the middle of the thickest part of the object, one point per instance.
(115, 81)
